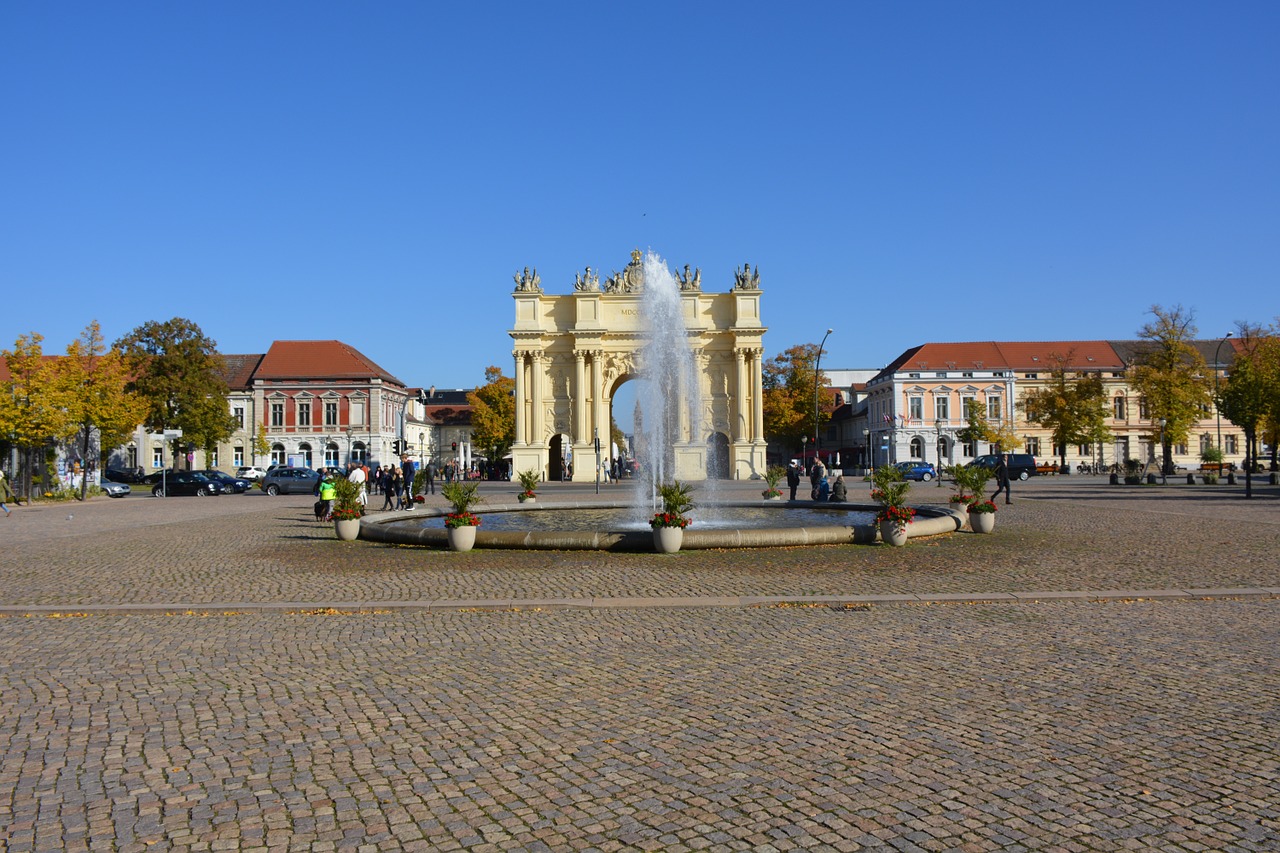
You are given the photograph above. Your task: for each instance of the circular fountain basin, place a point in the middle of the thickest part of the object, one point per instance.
(618, 527)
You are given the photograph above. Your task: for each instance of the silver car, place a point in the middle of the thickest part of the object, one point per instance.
(291, 481)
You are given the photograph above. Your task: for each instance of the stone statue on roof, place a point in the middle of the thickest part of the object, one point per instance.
(586, 283)
(745, 278)
(529, 282)
(690, 281)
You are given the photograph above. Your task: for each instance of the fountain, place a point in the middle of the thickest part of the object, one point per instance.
(670, 443)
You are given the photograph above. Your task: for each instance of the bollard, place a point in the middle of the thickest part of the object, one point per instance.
(1115, 478)
(1231, 478)
(1191, 479)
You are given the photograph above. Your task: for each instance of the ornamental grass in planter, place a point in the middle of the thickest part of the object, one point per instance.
(772, 477)
(528, 482)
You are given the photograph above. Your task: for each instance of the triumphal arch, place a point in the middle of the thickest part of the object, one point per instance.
(573, 351)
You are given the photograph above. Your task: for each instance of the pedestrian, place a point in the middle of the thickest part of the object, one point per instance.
(1002, 478)
(406, 468)
(357, 475)
(390, 486)
(5, 495)
(431, 478)
(793, 477)
(816, 475)
(328, 492)
(839, 493)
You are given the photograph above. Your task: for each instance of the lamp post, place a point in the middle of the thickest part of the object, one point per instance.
(804, 461)
(938, 426)
(866, 442)
(817, 364)
(1162, 461)
(1217, 369)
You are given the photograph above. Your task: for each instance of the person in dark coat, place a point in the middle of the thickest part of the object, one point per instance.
(839, 493)
(406, 467)
(430, 486)
(793, 478)
(1002, 479)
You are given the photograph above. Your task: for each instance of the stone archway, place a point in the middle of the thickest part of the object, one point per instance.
(572, 350)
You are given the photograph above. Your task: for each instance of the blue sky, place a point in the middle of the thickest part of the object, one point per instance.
(376, 172)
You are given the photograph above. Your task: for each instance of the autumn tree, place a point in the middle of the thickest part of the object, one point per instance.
(94, 382)
(1251, 393)
(493, 414)
(1171, 374)
(1072, 405)
(788, 380)
(977, 428)
(34, 406)
(176, 371)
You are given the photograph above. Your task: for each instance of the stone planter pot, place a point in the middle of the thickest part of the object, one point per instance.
(774, 498)
(528, 500)
(462, 538)
(982, 522)
(893, 533)
(667, 540)
(348, 529)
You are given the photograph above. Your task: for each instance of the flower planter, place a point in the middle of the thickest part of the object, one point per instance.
(667, 540)
(348, 529)
(893, 533)
(982, 522)
(773, 497)
(524, 500)
(462, 538)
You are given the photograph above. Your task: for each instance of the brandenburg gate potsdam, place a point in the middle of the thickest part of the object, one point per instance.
(572, 353)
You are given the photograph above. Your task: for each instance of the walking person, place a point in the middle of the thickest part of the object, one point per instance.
(328, 492)
(388, 482)
(6, 495)
(1002, 479)
(430, 486)
(793, 477)
(407, 469)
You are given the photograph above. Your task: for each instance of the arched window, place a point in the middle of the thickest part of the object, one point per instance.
(305, 450)
(917, 448)
(277, 454)
(358, 452)
(331, 455)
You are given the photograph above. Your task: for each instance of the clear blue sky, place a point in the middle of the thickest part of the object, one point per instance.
(902, 172)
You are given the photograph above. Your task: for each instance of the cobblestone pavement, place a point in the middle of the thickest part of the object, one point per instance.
(1072, 724)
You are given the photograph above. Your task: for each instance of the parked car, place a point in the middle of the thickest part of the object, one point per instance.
(1021, 465)
(250, 472)
(922, 471)
(184, 483)
(235, 485)
(114, 490)
(290, 481)
(126, 475)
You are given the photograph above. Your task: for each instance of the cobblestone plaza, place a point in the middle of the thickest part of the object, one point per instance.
(223, 674)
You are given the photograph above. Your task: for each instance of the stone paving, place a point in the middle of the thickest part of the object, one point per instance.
(285, 694)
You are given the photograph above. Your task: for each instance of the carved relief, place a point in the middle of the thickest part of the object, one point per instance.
(630, 280)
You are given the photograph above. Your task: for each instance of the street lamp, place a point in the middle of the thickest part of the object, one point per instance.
(817, 364)
(1162, 461)
(804, 461)
(866, 442)
(938, 426)
(1217, 369)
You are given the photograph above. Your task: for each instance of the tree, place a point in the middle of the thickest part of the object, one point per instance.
(94, 383)
(1072, 406)
(493, 414)
(1251, 394)
(177, 372)
(1171, 374)
(34, 408)
(788, 380)
(978, 428)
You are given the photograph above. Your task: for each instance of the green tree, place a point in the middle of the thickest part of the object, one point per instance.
(94, 383)
(978, 428)
(1171, 374)
(788, 403)
(1072, 405)
(177, 372)
(1250, 398)
(493, 414)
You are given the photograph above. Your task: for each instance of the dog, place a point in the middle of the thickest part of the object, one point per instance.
(319, 510)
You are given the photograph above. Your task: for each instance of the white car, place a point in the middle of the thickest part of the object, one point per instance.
(250, 472)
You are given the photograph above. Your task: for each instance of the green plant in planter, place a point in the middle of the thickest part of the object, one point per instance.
(677, 499)
(971, 483)
(772, 477)
(889, 489)
(528, 482)
(346, 500)
(462, 496)
(1132, 472)
(982, 506)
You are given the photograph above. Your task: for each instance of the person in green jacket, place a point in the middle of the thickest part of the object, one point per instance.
(327, 494)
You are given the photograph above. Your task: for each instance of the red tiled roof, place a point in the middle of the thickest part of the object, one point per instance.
(1004, 355)
(237, 370)
(318, 360)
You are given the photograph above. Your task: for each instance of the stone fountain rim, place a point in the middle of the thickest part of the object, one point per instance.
(390, 529)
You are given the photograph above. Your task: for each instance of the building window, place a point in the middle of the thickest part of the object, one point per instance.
(304, 414)
(966, 405)
(1206, 442)
(1059, 450)
(305, 450)
(238, 414)
(277, 454)
(968, 374)
(1229, 445)
(1085, 450)
(1180, 449)
(277, 414)
(1033, 376)
(915, 406)
(331, 455)
(940, 375)
(968, 449)
(358, 452)
(133, 456)
(331, 414)
(213, 458)
(1033, 446)
(942, 408)
(917, 448)
(993, 407)
(157, 457)
(913, 375)
(237, 456)
(356, 413)
(1144, 413)
(1118, 404)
